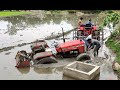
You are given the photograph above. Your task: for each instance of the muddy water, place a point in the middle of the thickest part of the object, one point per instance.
(16, 30)
(20, 29)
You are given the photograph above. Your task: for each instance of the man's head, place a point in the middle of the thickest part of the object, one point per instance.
(81, 18)
(89, 40)
(90, 20)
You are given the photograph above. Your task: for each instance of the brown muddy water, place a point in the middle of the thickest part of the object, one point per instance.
(20, 29)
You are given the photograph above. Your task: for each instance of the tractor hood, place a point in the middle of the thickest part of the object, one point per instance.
(72, 43)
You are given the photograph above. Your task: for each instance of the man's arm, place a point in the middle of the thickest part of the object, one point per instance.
(91, 46)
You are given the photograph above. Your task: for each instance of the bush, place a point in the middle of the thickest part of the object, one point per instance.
(112, 17)
(114, 45)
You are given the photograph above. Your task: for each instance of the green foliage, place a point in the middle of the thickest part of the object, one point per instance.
(110, 11)
(114, 34)
(12, 13)
(111, 17)
(114, 41)
(114, 45)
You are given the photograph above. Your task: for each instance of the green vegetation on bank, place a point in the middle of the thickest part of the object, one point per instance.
(12, 13)
(114, 44)
(114, 40)
(111, 17)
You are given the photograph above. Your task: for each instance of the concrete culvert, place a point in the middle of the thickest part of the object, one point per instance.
(47, 60)
(83, 57)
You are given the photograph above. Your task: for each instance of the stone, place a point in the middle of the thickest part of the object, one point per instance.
(116, 66)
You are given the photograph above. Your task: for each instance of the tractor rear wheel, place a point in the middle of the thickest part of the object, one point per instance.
(83, 57)
(47, 60)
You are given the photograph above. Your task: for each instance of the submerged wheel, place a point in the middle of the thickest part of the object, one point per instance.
(47, 60)
(83, 57)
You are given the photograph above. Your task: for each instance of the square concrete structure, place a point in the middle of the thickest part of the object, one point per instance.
(81, 71)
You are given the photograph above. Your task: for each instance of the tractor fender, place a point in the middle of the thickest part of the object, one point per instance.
(83, 57)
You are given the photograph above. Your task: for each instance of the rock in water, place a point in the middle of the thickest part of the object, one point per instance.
(116, 66)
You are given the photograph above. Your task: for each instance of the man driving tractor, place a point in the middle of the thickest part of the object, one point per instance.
(89, 22)
(80, 21)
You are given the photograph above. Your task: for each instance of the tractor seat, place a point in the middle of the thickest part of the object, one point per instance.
(82, 25)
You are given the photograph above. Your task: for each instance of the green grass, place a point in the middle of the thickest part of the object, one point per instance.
(12, 13)
(114, 45)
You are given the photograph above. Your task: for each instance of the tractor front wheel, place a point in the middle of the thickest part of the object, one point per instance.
(83, 57)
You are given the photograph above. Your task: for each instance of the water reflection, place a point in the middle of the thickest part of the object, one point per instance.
(47, 70)
(41, 70)
(21, 21)
(26, 30)
(17, 23)
(24, 70)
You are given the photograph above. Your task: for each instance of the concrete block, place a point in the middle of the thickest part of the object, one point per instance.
(81, 71)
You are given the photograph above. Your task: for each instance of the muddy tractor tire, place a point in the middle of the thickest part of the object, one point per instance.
(83, 57)
(47, 60)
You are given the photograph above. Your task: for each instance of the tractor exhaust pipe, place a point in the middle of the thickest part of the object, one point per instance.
(63, 35)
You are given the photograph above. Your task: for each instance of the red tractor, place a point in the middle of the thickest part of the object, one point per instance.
(41, 54)
(86, 30)
(22, 59)
(74, 48)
